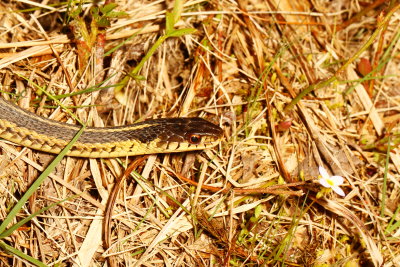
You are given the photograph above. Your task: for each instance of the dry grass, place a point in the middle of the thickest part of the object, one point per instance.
(253, 199)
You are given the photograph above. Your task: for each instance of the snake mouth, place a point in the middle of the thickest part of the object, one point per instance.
(176, 147)
(182, 144)
(195, 131)
(192, 134)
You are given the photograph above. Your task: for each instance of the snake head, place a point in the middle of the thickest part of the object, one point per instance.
(184, 134)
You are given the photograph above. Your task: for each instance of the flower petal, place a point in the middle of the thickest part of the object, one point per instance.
(323, 173)
(324, 183)
(338, 191)
(338, 180)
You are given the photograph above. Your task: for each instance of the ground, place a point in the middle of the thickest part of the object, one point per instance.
(304, 92)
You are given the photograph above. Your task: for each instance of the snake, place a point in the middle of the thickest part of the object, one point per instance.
(164, 135)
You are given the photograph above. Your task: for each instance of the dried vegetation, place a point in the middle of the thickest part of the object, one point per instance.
(255, 199)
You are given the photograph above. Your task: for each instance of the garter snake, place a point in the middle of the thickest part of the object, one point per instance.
(147, 137)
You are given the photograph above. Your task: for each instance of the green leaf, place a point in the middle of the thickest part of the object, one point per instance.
(103, 22)
(169, 22)
(177, 11)
(257, 211)
(108, 8)
(181, 32)
(95, 13)
(20, 254)
(117, 14)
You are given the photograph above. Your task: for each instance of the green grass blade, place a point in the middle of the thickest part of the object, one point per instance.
(384, 188)
(392, 225)
(17, 208)
(13, 228)
(20, 254)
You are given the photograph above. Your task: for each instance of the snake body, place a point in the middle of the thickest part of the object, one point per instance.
(148, 137)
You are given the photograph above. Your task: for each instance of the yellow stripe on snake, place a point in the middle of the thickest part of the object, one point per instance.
(148, 137)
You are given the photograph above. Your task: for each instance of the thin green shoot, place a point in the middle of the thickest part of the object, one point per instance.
(384, 185)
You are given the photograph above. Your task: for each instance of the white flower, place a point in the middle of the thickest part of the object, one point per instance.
(331, 181)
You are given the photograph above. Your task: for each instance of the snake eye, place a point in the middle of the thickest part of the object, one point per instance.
(194, 139)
